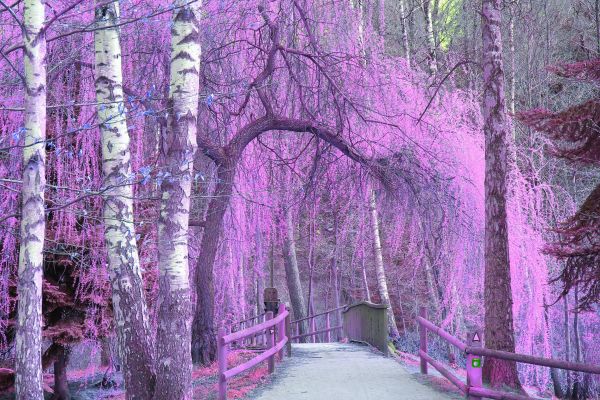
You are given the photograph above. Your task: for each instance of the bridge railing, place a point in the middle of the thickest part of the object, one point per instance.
(313, 333)
(277, 330)
(367, 322)
(474, 389)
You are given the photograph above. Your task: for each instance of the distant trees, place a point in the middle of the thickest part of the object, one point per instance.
(573, 135)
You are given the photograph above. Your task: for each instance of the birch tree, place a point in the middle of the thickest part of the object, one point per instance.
(404, 31)
(379, 267)
(130, 312)
(28, 365)
(174, 362)
(430, 37)
(499, 331)
(292, 272)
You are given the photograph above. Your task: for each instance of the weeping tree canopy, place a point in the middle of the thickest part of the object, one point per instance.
(574, 135)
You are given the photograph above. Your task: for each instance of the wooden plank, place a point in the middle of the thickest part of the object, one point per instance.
(367, 322)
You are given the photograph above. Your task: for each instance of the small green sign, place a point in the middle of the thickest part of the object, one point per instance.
(476, 362)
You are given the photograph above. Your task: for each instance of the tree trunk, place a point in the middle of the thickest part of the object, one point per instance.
(61, 382)
(567, 336)
(292, 273)
(579, 389)
(499, 331)
(381, 279)
(554, 373)
(28, 363)
(129, 306)
(335, 275)
(430, 39)
(404, 31)
(173, 336)
(204, 345)
(512, 80)
(105, 352)
(597, 20)
(365, 280)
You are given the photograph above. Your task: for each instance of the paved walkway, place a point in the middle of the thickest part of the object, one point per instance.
(335, 371)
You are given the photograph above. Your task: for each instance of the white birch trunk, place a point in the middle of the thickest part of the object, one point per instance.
(381, 279)
(430, 38)
(129, 306)
(174, 362)
(404, 27)
(28, 365)
(365, 280)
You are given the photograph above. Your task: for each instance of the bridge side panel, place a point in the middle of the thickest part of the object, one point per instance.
(367, 322)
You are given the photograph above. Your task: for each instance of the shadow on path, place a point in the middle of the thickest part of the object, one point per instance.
(332, 371)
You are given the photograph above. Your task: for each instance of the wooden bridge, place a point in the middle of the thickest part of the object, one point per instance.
(320, 368)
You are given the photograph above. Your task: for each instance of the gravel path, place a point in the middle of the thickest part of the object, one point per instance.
(334, 371)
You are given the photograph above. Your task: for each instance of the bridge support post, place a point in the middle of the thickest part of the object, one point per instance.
(423, 340)
(474, 366)
(328, 326)
(288, 333)
(222, 358)
(270, 342)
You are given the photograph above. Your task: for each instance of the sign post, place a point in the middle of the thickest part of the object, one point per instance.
(474, 365)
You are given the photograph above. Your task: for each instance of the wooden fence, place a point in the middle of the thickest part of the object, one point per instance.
(367, 322)
(313, 333)
(474, 389)
(258, 340)
(277, 331)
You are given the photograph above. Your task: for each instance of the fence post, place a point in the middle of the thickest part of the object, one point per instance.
(328, 326)
(423, 340)
(222, 358)
(288, 332)
(271, 342)
(263, 337)
(474, 365)
(253, 338)
(280, 329)
(297, 330)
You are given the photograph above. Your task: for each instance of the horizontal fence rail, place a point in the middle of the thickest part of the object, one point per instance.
(313, 332)
(326, 330)
(234, 325)
(254, 340)
(474, 389)
(277, 330)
